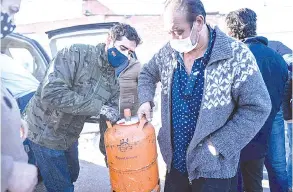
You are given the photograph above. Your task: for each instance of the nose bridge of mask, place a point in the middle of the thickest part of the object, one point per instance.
(191, 31)
(125, 52)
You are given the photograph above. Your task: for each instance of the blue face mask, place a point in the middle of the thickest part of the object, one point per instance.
(116, 58)
(7, 25)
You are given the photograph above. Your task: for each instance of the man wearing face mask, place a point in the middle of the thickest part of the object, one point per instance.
(16, 174)
(80, 82)
(214, 100)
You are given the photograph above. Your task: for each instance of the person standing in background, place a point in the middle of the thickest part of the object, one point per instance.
(279, 47)
(16, 174)
(275, 161)
(242, 25)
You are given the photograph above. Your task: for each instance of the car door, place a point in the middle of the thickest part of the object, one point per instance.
(28, 52)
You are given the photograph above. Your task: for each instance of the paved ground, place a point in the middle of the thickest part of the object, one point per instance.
(94, 176)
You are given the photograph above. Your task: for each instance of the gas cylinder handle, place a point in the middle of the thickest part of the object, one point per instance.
(109, 124)
(142, 122)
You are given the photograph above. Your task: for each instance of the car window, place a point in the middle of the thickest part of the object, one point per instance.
(90, 39)
(26, 53)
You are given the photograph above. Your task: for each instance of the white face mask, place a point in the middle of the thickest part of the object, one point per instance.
(184, 45)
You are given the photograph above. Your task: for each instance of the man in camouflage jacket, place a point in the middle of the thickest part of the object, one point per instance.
(80, 82)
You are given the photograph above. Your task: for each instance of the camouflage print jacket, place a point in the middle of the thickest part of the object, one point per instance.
(78, 84)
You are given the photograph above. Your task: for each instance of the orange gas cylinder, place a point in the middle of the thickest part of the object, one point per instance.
(132, 155)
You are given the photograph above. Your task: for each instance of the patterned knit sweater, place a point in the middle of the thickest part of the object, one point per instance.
(235, 105)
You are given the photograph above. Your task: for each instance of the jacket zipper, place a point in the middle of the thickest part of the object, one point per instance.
(119, 107)
(199, 115)
(125, 70)
(170, 106)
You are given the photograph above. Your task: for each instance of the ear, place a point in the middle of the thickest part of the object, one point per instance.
(199, 22)
(108, 40)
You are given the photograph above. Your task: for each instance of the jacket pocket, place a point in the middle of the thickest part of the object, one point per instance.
(204, 161)
(210, 166)
(129, 99)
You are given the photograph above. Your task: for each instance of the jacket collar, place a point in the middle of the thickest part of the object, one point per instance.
(256, 39)
(101, 48)
(132, 62)
(222, 47)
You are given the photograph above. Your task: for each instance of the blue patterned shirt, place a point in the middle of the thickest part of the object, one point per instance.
(187, 91)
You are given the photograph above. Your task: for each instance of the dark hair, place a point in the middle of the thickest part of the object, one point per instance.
(192, 8)
(120, 30)
(242, 23)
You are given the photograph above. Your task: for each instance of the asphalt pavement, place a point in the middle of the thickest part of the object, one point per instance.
(94, 175)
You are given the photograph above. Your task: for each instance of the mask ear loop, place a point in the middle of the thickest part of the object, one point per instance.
(113, 44)
(191, 32)
(197, 38)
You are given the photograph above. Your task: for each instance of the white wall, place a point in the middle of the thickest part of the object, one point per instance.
(273, 20)
(33, 11)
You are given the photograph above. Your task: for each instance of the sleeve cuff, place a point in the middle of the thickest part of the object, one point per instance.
(111, 113)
